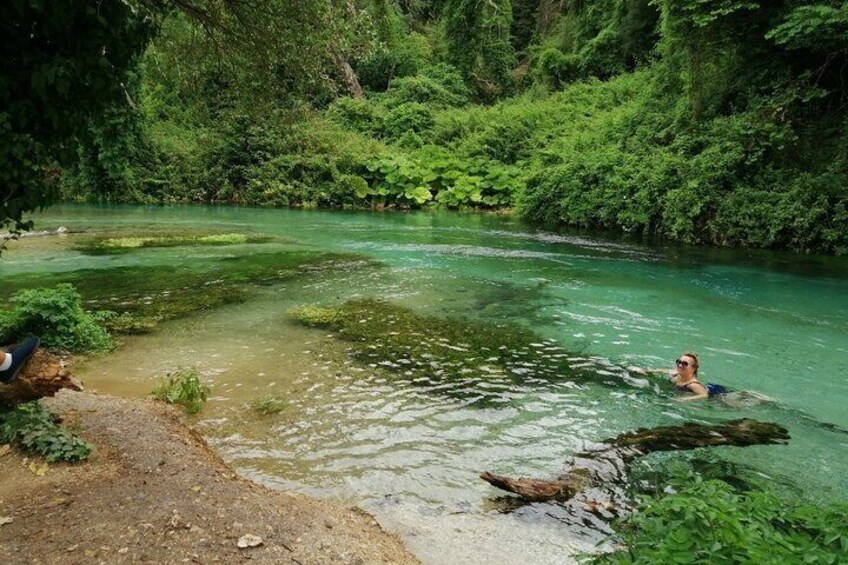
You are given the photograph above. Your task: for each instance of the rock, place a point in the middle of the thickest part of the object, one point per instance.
(249, 540)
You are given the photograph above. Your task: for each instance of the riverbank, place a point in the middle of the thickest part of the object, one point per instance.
(154, 492)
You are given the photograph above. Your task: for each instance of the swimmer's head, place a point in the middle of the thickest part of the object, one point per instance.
(688, 359)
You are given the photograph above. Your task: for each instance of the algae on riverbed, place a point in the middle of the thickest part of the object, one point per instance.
(107, 245)
(431, 349)
(143, 296)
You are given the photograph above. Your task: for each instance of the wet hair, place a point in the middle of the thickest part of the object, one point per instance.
(694, 358)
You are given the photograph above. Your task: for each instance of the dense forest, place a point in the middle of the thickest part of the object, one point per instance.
(721, 122)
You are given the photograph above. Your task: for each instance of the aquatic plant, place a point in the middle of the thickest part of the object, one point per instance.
(436, 349)
(123, 244)
(33, 428)
(57, 316)
(182, 387)
(141, 297)
(269, 404)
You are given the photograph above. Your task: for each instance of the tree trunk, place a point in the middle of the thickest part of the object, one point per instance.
(44, 375)
(351, 80)
(603, 471)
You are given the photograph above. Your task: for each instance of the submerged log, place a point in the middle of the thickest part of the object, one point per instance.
(45, 374)
(601, 472)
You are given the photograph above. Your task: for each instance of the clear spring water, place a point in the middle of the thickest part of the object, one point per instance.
(410, 452)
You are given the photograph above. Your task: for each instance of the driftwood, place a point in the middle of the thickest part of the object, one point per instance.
(45, 374)
(597, 476)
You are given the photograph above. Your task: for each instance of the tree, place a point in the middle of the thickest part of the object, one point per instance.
(479, 44)
(62, 63)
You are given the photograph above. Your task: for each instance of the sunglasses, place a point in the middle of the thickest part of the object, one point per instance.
(681, 363)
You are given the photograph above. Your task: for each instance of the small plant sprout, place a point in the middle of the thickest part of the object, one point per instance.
(269, 404)
(182, 387)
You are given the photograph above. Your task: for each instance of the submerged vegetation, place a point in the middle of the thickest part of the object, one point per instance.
(135, 299)
(183, 387)
(126, 243)
(435, 349)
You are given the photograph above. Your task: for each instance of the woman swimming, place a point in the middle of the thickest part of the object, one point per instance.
(685, 378)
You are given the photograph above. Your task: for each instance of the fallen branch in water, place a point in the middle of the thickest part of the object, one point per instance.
(607, 466)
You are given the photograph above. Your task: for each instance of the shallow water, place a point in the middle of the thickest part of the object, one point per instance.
(410, 451)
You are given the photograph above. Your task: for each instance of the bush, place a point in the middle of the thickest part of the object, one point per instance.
(183, 387)
(555, 68)
(421, 89)
(357, 114)
(710, 522)
(55, 315)
(34, 429)
(405, 59)
(409, 117)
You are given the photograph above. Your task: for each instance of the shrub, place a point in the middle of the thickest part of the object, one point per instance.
(555, 68)
(183, 387)
(408, 117)
(422, 89)
(31, 427)
(710, 522)
(57, 316)
(404, 59)
(358, 114)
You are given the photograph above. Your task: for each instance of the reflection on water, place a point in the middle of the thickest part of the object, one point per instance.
(410, 450)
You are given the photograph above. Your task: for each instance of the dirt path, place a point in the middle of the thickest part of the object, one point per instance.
(153, 492)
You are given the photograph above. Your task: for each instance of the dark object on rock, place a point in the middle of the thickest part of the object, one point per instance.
(601, 473)
(43, 375)
(20, 355)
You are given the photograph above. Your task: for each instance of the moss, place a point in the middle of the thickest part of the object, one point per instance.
(141, 297)
(430, 349)
(105, 245)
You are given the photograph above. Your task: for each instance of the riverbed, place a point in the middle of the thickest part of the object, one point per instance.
(409, 451)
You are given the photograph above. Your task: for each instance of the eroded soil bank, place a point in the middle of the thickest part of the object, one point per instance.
(153, 492)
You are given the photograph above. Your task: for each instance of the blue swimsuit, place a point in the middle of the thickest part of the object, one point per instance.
(712, 388)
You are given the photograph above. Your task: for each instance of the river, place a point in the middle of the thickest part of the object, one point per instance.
(409, 452)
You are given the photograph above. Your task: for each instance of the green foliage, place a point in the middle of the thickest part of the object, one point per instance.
(710, 522)
(439, 86)
(65, 64)
(182, 387)
(479, 44)
(820, 27)
(409, 117)
(714, 121)
(432, 173)
(404, 59)
(269, 404)
(55, 315)
(34, 429)
(555, 68)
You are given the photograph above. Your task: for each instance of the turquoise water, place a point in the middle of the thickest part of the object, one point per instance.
(772, 323)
